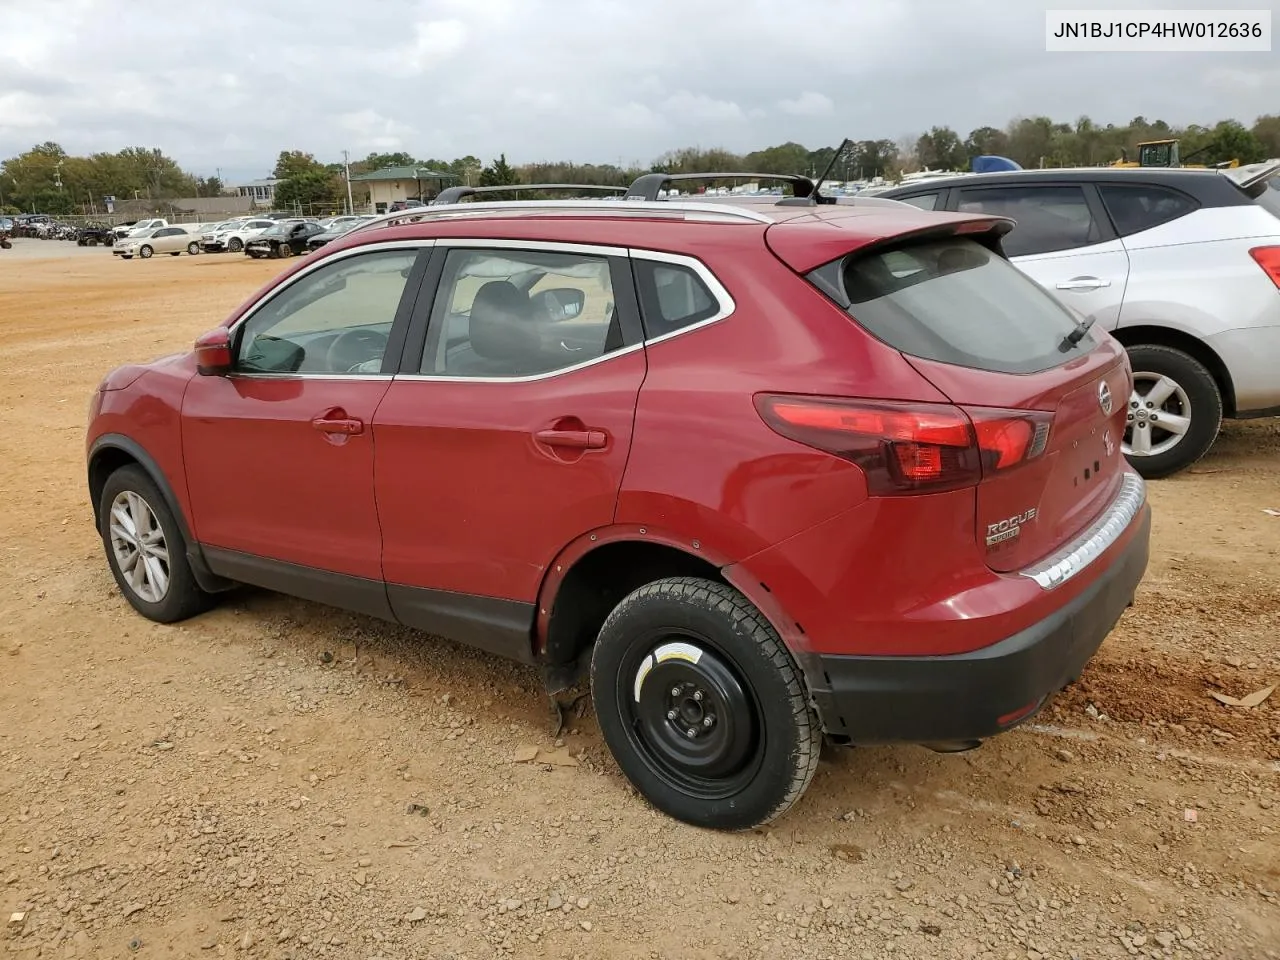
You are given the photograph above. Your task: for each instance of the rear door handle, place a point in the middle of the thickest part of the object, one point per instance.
(338, 422)
(577, 439)
(1083, 283)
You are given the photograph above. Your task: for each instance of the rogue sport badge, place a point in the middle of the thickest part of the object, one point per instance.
(1104, 397)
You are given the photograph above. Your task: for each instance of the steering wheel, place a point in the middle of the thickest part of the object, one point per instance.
(353, 348)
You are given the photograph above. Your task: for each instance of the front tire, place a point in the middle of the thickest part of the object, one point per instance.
(193, 248)
(146, 550)
(235, 245)
(1175, 411)
(702, 705)
(284, 250)
(145, 252)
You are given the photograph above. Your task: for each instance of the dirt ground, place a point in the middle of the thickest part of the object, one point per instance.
(277, 779)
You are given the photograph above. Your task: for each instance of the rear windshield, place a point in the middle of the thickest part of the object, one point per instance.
(955, 301)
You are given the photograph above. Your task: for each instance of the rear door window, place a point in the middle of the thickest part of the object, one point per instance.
(954, 301)
(1137, 207)
(1049, 218)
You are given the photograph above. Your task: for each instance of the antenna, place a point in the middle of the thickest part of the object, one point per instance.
(815, 196)
(831, 164)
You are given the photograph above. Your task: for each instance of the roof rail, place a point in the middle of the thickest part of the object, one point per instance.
(650, 185)
(707, 211)
(454, 194)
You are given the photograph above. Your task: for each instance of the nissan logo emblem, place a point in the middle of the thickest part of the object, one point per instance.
(1104, 397)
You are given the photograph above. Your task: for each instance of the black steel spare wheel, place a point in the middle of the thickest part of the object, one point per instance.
(691, 717)
(702, 705)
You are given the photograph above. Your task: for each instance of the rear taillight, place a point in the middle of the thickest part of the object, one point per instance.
(910, 447)
(1269, 260)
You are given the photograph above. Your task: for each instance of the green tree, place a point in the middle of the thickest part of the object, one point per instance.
(941, 149)
(985, 141)
(498, 174)
(1266, 130)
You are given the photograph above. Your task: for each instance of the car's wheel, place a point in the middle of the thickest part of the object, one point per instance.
(703, 706)
(145, 549)
(1175, 411)
(193, 248)
(82, 242)
(284, 250)
(235, 245)
(145, 251)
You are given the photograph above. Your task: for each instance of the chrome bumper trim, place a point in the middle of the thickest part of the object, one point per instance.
(1076, 556)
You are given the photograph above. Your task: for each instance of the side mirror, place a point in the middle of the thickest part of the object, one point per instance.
(213, 353)
(562, 303)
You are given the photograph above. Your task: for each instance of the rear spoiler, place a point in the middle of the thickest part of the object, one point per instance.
(1252, 174)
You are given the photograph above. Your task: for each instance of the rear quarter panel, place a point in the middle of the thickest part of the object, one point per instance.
(1195, 274)
(704, 466)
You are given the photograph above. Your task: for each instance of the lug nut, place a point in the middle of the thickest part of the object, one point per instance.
(708, 720)
(691, 733)
(697, 695)
(675, 691)
(672, 714)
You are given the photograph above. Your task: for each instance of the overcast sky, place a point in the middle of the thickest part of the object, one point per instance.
(229, 84)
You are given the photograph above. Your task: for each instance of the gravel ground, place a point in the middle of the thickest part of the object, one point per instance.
(276, 779)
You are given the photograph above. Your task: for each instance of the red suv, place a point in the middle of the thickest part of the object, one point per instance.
(773, 472)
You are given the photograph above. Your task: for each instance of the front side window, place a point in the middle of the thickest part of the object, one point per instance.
(335, 320)
(1047, 218)
(519, 313)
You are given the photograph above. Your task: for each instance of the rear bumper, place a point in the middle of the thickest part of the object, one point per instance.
(974, 695)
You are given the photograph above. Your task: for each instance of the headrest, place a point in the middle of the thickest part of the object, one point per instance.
(501, 325)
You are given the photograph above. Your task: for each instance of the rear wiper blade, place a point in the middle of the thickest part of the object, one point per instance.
(1076, 335)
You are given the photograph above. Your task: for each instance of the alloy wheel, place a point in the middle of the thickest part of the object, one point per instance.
(139, 547)
(1159, 415)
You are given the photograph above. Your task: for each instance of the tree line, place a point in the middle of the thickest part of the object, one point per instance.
(47, 179)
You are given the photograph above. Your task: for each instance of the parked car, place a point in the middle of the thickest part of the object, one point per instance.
(768, 473)
(235, 236)
(283, 240)
(170, 240)
(92, 234)
(138, 227)
(333, 232)
(1181, 265)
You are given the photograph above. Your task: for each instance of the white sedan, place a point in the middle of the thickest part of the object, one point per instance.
(170, 240)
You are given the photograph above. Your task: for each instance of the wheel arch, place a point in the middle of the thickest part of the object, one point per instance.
(1162, 336)
(592, 574)
(109, 453)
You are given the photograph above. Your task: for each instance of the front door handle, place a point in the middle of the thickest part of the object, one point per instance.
(337, 421)
(576, 439)
(1083, 283)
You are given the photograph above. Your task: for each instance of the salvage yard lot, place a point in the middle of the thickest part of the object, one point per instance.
(277, 779)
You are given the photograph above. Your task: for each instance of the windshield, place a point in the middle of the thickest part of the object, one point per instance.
(957, 302)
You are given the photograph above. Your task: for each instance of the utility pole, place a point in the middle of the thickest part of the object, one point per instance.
(346, 166)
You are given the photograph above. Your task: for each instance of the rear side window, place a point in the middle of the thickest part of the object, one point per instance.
(926, 201)
(956, 302)
(672, 297)
(1270, 197)
(1137, 207)
(1048, 218)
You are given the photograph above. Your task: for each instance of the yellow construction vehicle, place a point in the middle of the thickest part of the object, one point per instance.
(1164, 153)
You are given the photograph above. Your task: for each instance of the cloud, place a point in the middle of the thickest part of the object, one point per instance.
(586, 80)
(698, 106)
(808, 104)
